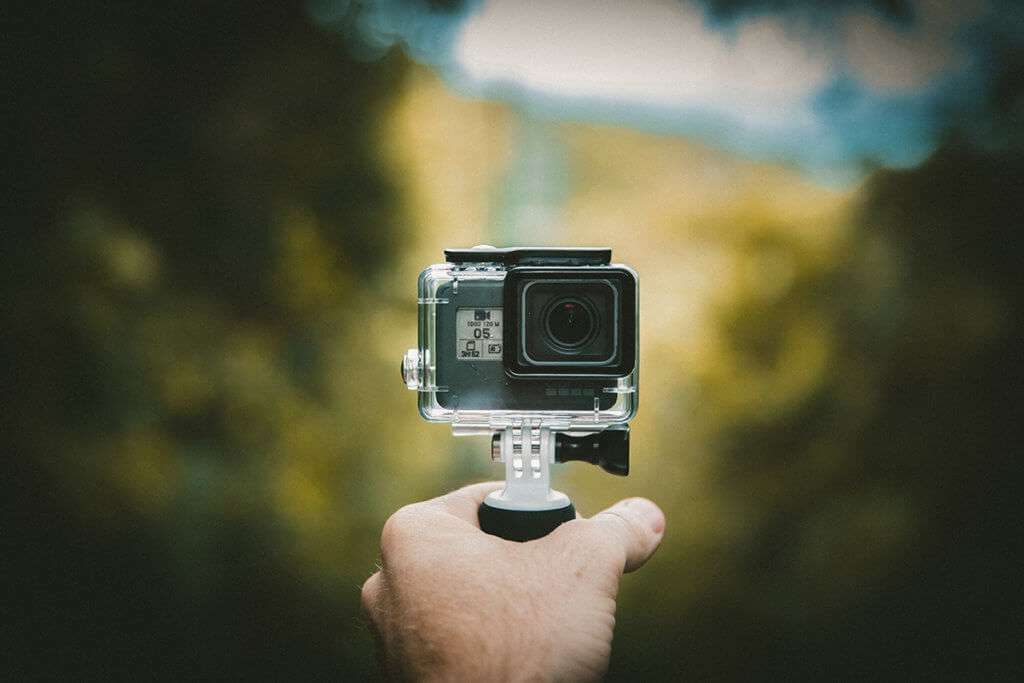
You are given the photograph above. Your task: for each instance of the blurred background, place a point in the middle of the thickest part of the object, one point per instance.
(213, 221)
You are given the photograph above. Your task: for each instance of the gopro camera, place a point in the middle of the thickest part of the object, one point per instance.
(538, 347)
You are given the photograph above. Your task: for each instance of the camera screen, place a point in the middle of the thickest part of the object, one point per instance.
(478, 334)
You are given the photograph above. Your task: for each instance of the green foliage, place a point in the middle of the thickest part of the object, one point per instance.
(865, 514)
(199, 208)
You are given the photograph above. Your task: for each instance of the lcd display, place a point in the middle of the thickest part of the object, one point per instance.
(478, 334)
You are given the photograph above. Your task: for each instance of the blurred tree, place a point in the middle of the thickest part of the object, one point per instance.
(194, 204)
(862, 411)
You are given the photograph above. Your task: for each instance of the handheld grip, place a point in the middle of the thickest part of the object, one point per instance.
(522, 525)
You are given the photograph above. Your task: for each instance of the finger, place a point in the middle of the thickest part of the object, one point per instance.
(634, 526)
(370, 596)
(464, 503)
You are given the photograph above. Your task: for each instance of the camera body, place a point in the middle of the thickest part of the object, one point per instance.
(545, 337)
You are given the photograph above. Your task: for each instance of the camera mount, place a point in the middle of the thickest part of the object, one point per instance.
(528, 508)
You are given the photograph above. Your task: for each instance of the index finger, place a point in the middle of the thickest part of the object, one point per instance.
(463, 503)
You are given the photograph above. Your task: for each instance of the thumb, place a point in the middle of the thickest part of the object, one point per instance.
(633, 527)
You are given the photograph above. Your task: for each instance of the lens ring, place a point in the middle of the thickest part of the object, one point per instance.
(571, 323)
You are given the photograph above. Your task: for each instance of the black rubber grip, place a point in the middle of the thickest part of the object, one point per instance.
(522, 525)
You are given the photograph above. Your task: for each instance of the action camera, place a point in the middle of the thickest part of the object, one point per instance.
(539, 348)
(547, 336)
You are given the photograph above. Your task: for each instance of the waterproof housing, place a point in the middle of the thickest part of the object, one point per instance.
(539, 348)
(545, 335)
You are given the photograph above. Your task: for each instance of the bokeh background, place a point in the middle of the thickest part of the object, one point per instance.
(214, 216)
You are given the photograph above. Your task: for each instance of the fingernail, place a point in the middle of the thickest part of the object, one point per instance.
(651, 513)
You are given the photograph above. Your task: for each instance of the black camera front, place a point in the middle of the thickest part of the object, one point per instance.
(566, 322)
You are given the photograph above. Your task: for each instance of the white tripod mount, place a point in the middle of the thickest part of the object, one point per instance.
(528, 508)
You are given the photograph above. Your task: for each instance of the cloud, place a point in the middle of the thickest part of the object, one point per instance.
(658, 54)
(825, 87)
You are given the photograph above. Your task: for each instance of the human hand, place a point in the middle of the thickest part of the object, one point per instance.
(453, 603)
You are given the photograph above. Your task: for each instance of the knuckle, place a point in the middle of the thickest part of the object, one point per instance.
(368, 593)
(370, 598)
(631, 529)
(396, 528)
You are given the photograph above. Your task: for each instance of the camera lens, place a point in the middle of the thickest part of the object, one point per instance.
(570, 322)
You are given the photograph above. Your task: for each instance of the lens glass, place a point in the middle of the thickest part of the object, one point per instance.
(570, 322)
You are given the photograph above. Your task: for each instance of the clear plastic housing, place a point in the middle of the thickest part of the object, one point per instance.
(615, 401)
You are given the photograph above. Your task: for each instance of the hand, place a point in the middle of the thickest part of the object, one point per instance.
(451, 602)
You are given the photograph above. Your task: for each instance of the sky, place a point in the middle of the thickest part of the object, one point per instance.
(832, 89)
